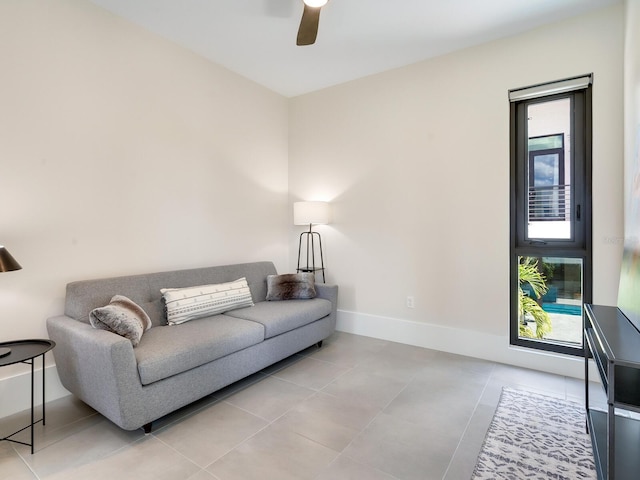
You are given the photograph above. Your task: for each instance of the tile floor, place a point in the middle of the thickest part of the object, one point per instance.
(358, 408)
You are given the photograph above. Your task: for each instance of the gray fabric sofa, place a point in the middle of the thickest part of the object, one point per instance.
(178, 364)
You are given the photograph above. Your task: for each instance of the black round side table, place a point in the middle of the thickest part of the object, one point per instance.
(26, 351)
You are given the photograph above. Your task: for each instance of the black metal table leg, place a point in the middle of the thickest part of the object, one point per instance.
(33, 361)
(43, 390)
(26, 352)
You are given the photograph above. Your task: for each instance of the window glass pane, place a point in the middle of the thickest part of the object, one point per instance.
(549, 175)
(546, 142)
(550, 299)
(546, 170)
(548, 197)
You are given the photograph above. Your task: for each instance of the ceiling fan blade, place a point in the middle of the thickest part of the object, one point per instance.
(308, 30)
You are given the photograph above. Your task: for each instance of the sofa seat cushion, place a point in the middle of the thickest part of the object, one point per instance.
(171, 349)
(283, 316)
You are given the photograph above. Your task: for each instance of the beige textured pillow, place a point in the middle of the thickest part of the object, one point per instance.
(122, 316)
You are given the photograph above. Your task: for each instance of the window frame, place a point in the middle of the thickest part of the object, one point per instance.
(561, 174)
(580, 243)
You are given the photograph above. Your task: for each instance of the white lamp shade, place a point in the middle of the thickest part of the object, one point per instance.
(316, 3)
(306, 213)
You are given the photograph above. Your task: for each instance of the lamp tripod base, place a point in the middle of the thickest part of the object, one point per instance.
(4, 352)
(311, 252)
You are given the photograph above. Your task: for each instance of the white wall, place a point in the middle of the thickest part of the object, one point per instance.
(122, 153)
(416, 164)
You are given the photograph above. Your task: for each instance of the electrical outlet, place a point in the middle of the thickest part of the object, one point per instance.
(410, 302)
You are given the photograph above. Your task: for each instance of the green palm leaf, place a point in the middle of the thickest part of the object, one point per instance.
(528, 306)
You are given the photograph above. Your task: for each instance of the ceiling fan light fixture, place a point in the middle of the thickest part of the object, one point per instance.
(308, 30)
(315, 3)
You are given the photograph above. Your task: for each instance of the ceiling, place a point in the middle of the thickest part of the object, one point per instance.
(356, 38)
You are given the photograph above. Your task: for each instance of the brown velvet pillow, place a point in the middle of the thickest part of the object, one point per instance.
(291, 286)
(122, 316)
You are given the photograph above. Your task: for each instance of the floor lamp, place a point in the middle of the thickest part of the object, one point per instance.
(7, 264)
(310, 213)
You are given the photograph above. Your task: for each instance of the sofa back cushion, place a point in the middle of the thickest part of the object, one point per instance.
(83, 296)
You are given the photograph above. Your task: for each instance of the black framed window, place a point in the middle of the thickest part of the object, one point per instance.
(550, 254)
(548, 193)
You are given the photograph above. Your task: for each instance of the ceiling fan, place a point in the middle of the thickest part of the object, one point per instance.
(308, 30)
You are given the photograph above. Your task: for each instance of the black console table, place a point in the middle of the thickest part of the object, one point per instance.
(26, 351)
(614, 344)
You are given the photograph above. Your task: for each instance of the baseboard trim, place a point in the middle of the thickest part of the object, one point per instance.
(462, 342)
(15, 391)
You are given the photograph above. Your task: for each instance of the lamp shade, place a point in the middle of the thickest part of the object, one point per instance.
(7, 262)
(307, 213)
(316, 3)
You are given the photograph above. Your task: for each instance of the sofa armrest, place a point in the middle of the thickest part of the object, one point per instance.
(97, 366)
(329, 292)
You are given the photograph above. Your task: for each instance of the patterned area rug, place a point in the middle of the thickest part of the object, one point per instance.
(533, 436)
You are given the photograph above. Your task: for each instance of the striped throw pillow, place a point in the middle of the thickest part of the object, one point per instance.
(184, 304)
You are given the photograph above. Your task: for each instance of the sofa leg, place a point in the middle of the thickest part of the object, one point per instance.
(319, 344)
(147, 428)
